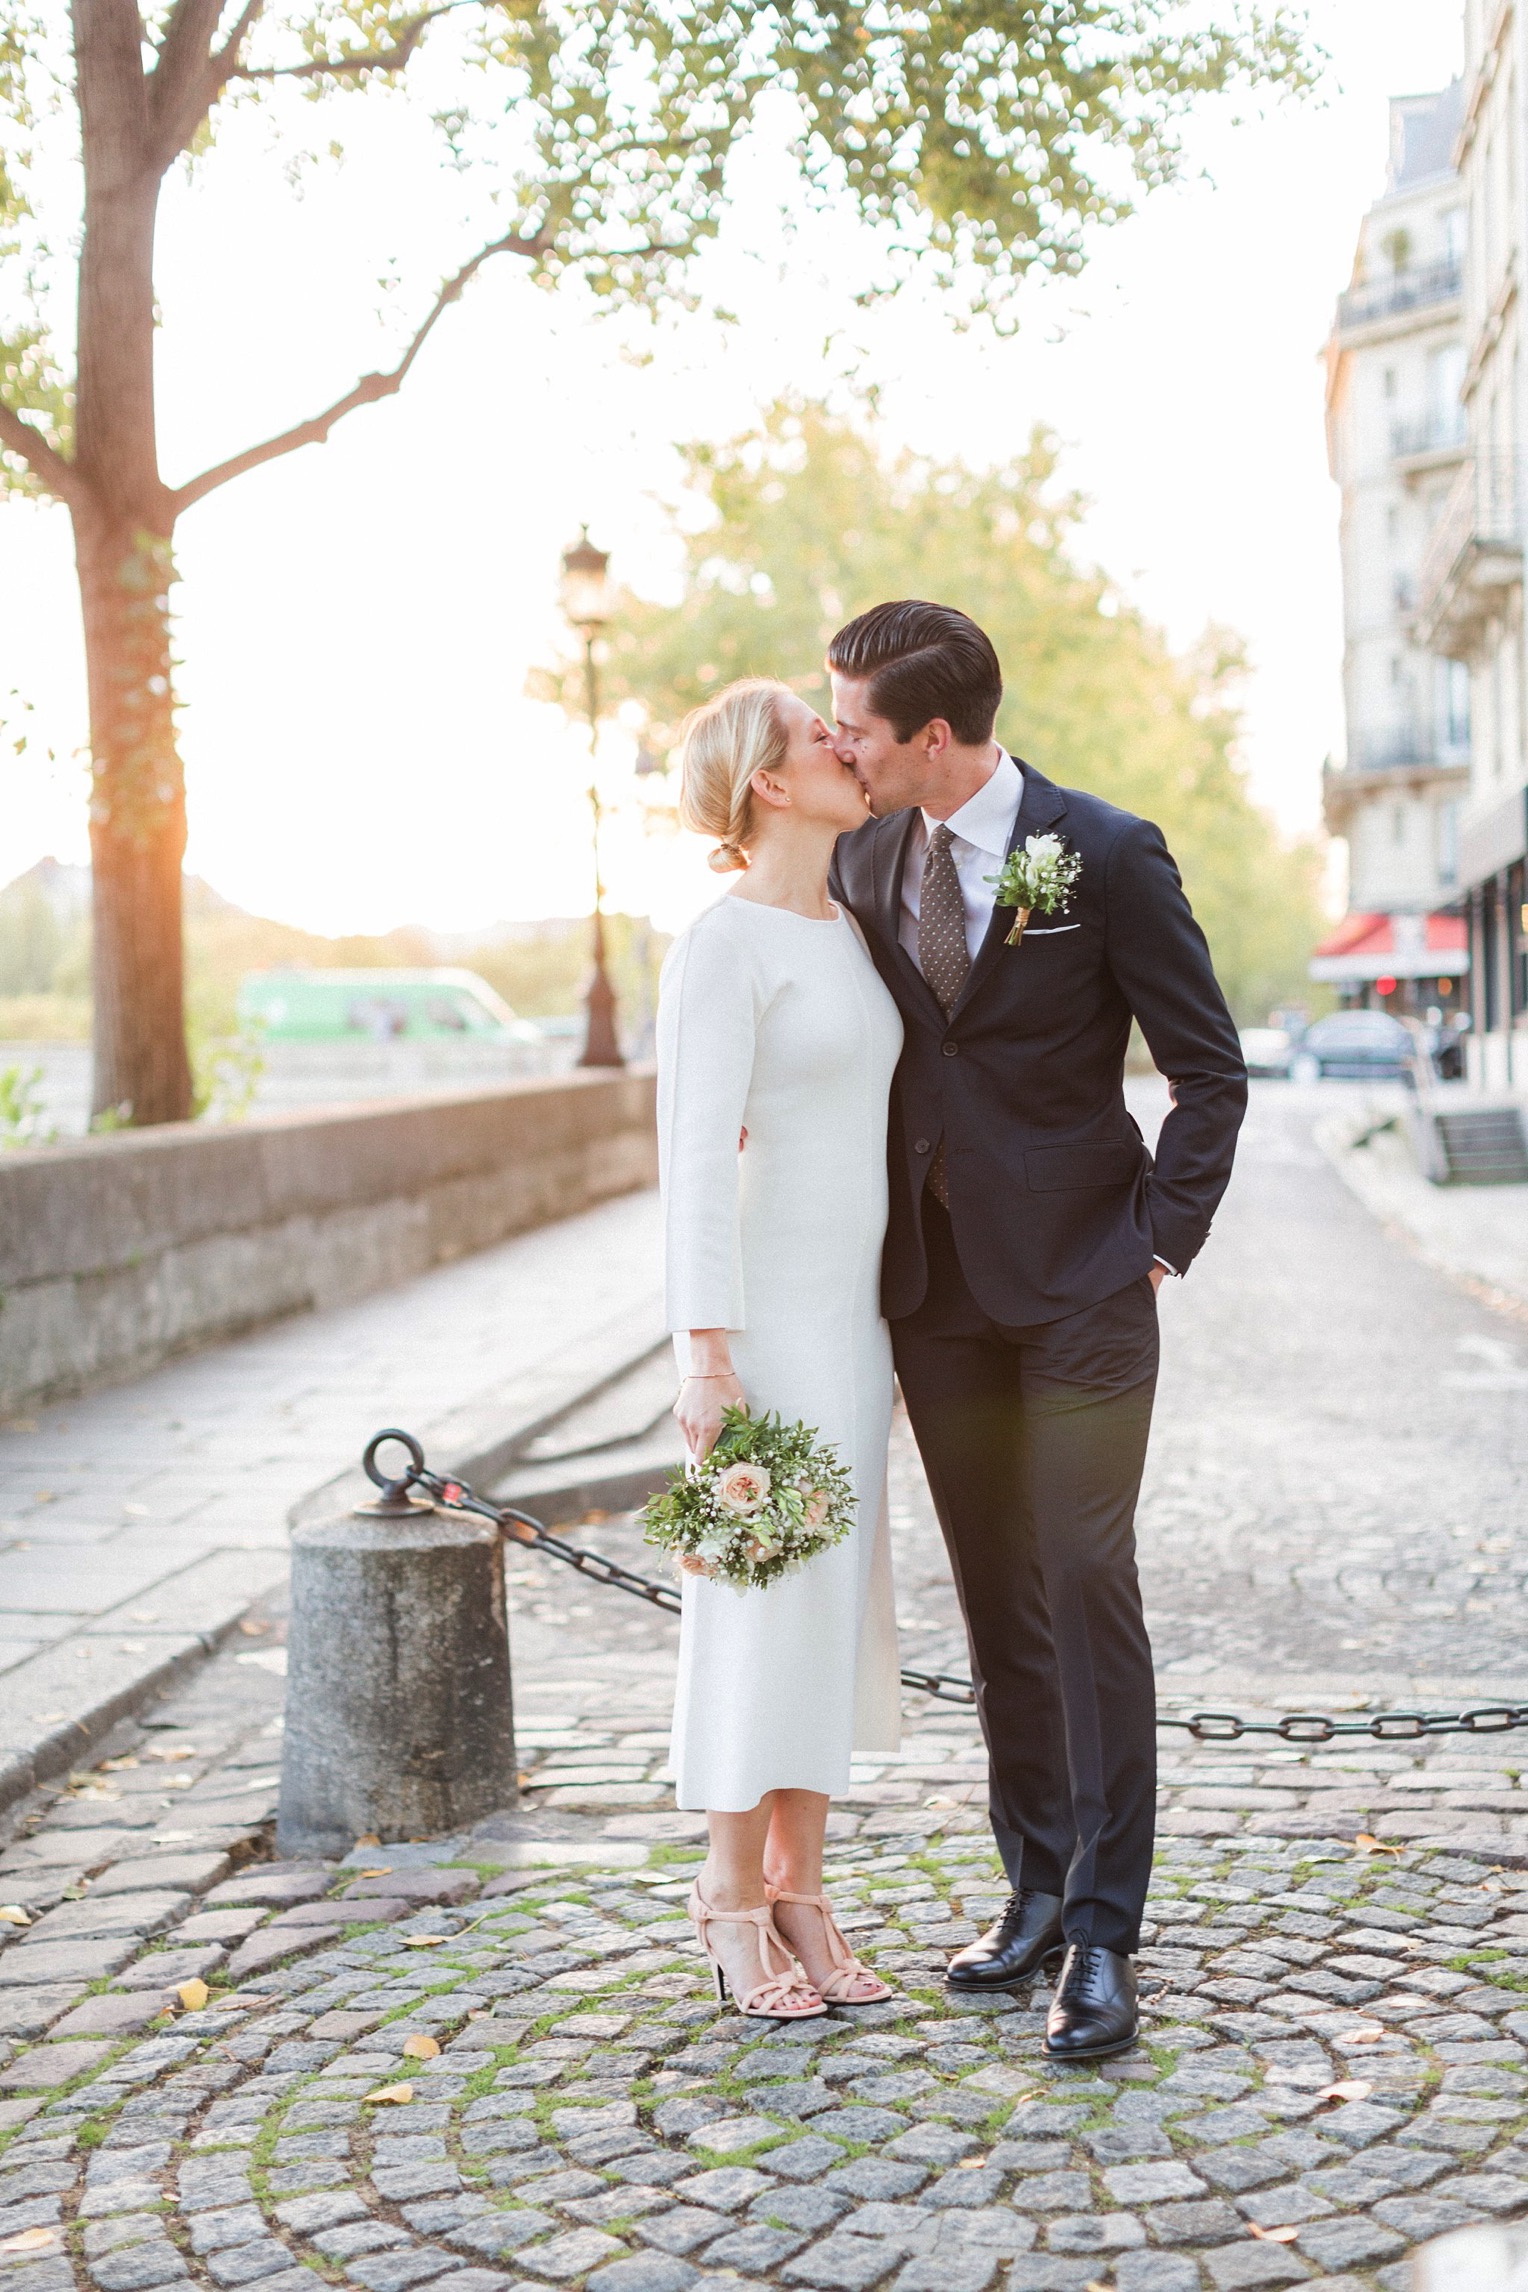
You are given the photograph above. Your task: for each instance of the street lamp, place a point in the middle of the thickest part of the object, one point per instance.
(586, 603)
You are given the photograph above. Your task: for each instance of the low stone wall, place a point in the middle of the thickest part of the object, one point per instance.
(117, 1251)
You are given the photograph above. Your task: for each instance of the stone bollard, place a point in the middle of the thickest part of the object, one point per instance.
(398, 1713)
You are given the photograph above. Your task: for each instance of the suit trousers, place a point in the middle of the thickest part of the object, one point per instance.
(1034, 1440)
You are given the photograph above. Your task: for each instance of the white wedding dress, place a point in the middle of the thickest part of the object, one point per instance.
(780, 1024)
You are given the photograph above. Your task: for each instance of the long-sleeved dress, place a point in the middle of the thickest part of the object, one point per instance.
(779, 1024)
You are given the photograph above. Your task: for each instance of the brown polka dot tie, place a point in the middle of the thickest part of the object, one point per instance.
(943, 956)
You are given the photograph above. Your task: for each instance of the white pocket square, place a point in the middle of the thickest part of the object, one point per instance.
(1049, 930)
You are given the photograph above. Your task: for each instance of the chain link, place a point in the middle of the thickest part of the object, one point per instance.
(943, 1686)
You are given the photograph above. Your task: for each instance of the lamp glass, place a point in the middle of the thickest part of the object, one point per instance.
(585, 588)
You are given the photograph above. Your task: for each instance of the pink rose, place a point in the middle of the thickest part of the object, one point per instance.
(744, 1489)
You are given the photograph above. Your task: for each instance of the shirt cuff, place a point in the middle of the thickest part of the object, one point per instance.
(1172, 1269)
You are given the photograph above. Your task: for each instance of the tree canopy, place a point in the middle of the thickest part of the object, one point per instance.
(981, 141)
(811, 521)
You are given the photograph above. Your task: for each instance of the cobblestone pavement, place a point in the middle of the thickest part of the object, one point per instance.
(495, 2058)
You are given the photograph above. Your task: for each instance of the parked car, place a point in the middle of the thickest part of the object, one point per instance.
(1355, 1046)
(382, 1006)
(1267, 1050)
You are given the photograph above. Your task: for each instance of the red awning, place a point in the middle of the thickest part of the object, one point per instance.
(1398, 946)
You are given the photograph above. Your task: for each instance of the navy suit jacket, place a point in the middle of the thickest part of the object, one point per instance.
(1054, 1199)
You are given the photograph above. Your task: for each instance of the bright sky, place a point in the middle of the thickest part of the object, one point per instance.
(356, 621)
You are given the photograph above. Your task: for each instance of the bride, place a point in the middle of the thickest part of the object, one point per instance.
(776, 1045)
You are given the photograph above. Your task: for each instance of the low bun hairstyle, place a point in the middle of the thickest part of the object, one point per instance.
(724, 743)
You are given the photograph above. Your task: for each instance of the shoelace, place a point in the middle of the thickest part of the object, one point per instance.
(1082, 1967)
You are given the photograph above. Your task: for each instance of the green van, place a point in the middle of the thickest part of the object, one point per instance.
(301, 1006)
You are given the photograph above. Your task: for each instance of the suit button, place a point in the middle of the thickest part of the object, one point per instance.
(920, 1145)
(951, 1050)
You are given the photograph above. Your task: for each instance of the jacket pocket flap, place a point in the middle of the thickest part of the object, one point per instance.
(1096, 1162)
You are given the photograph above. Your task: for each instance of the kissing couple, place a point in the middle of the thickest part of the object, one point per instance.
(893, 1140)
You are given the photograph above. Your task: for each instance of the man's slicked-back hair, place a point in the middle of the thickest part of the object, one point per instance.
(923, 661)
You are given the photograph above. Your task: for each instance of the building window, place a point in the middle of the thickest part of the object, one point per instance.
(1456, 703)
(1512, 924)
(1448, 845)
(1454, 235)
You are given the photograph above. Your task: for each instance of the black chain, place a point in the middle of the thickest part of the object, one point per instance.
(1204, 1726)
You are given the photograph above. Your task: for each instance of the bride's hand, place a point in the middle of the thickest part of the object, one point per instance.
(701, 1405)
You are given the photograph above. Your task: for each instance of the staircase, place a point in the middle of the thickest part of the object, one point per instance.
(1482, 1146)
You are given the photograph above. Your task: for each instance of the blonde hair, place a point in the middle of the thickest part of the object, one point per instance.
(725, 742)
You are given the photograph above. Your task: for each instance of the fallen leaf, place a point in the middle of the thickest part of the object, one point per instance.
(1350, 2089)
(971, 2164)
(194, 1994)
(420, 2048)
(171, 1752)
(1367, 1843)
(368, 1838)
(115, 1766)
(30, 2240)
(425, 1941)
(377, 1870)
(1360, 2037)
(398, 2093)
(1272, 2235)
(13, 1914)
(251, 1629)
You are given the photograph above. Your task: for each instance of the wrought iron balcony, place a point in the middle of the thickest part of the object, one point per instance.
(1474, 555)
(1402, 291)
(1442, 431)
(1397, 747)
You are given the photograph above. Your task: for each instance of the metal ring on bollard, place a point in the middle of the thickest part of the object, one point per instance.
(395, 1502)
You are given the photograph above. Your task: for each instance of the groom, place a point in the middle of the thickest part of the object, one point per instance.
(1029, 1230)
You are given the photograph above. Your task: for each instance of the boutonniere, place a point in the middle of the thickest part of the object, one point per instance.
(1039, 877)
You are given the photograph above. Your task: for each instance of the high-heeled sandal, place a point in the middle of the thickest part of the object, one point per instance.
(784, 1994)
(847, 1967)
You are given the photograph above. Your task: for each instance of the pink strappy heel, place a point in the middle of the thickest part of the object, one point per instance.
(847, 1967)
(784, 1994)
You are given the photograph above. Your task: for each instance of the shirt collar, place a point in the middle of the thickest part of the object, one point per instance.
(986, 819)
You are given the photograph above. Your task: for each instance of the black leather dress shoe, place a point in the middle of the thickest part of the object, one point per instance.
(1093, 2012)
(1009, 1955)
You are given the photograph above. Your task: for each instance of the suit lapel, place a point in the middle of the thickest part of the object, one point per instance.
(1041, 804)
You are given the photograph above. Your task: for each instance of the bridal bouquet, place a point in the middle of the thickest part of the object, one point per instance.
(1042, 875)
(768, 1496)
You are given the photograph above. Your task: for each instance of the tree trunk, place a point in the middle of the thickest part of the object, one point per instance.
(123, 521)
(137, 827)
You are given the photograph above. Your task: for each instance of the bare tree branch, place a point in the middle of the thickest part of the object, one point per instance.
(391, 59)
(188, 77)
(61, 478)
(367, 391)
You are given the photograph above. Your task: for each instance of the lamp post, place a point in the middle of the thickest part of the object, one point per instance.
(586, 603)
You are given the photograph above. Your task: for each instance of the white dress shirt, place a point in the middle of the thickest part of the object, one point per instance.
(979, 834)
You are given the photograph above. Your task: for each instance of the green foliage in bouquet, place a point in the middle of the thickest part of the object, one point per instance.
(768, 1497)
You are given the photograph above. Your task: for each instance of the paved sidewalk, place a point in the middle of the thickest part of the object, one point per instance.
(137, 1524)
(1477, 1234)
